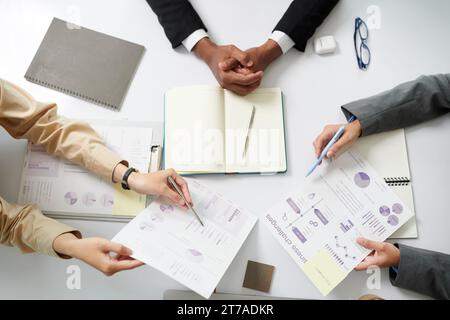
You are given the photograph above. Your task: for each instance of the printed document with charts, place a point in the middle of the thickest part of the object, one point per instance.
(172, 240)
(62, 188)
(318, 225)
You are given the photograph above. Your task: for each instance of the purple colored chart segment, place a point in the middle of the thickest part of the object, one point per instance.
(346, 226)
(362, 180)
(321, 217)
(71, 198)
(397, 208)
(385, 211)
(294, 207)
(393, 220)
(299, 234)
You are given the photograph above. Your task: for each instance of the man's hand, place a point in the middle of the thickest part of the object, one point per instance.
(155, 184)
(213, 55)
(261, 58)
(384, 254)
(104, 255)
(352, 133)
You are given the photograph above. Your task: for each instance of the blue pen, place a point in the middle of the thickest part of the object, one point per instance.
(330, 144)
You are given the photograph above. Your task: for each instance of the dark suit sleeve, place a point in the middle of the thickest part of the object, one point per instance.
(423, 271)
(178, 18)
(410, 103)
(302, 18)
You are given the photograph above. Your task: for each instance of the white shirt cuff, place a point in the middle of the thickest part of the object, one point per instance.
(190, 42)
(284, 41)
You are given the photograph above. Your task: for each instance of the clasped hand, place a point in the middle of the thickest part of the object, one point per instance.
(238, 71)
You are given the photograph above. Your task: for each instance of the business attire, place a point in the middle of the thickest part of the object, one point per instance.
(422, 271)
(410, 103)
(25, 118)
(183, 25)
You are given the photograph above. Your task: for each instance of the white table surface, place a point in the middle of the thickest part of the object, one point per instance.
(412, 41)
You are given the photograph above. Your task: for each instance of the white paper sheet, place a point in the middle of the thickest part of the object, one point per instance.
(318, 225)
(172, 241)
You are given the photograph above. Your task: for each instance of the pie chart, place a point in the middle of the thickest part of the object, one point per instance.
(385, 211)
(397, 208)
(362, 180)
(70, 198)
(392, 220)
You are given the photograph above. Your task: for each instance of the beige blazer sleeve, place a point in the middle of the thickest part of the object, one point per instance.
(26, 228)
(25, 118)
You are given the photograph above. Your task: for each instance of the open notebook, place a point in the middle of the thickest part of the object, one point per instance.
(387, 153)
(212, 130)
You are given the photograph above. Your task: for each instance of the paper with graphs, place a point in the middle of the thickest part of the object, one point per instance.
(318, 225)
(172, 240)
(57, 185)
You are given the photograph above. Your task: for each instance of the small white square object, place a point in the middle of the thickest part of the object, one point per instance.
(325, 45)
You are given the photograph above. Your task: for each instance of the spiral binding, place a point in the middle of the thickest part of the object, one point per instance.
(71, 93)
(397, 181)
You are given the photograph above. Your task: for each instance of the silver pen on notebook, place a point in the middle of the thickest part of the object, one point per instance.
(248, 132)
(177, 189)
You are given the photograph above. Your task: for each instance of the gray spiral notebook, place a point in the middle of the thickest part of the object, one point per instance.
(86, 64)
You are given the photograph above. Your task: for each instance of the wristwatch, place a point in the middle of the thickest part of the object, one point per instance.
(125, 177)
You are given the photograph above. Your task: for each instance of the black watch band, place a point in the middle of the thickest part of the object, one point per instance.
(125, 177)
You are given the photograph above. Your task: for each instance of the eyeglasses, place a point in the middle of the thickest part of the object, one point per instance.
(360, 38)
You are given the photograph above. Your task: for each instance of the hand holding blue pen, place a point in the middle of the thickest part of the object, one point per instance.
(339, 133)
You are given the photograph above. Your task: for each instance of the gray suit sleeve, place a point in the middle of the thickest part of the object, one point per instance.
(423, 271)
(408, 104)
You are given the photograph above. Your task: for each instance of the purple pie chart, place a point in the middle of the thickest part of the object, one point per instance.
(392, 220)
(362, 180)
(385, 211)
(397, 208)
(71, 198)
